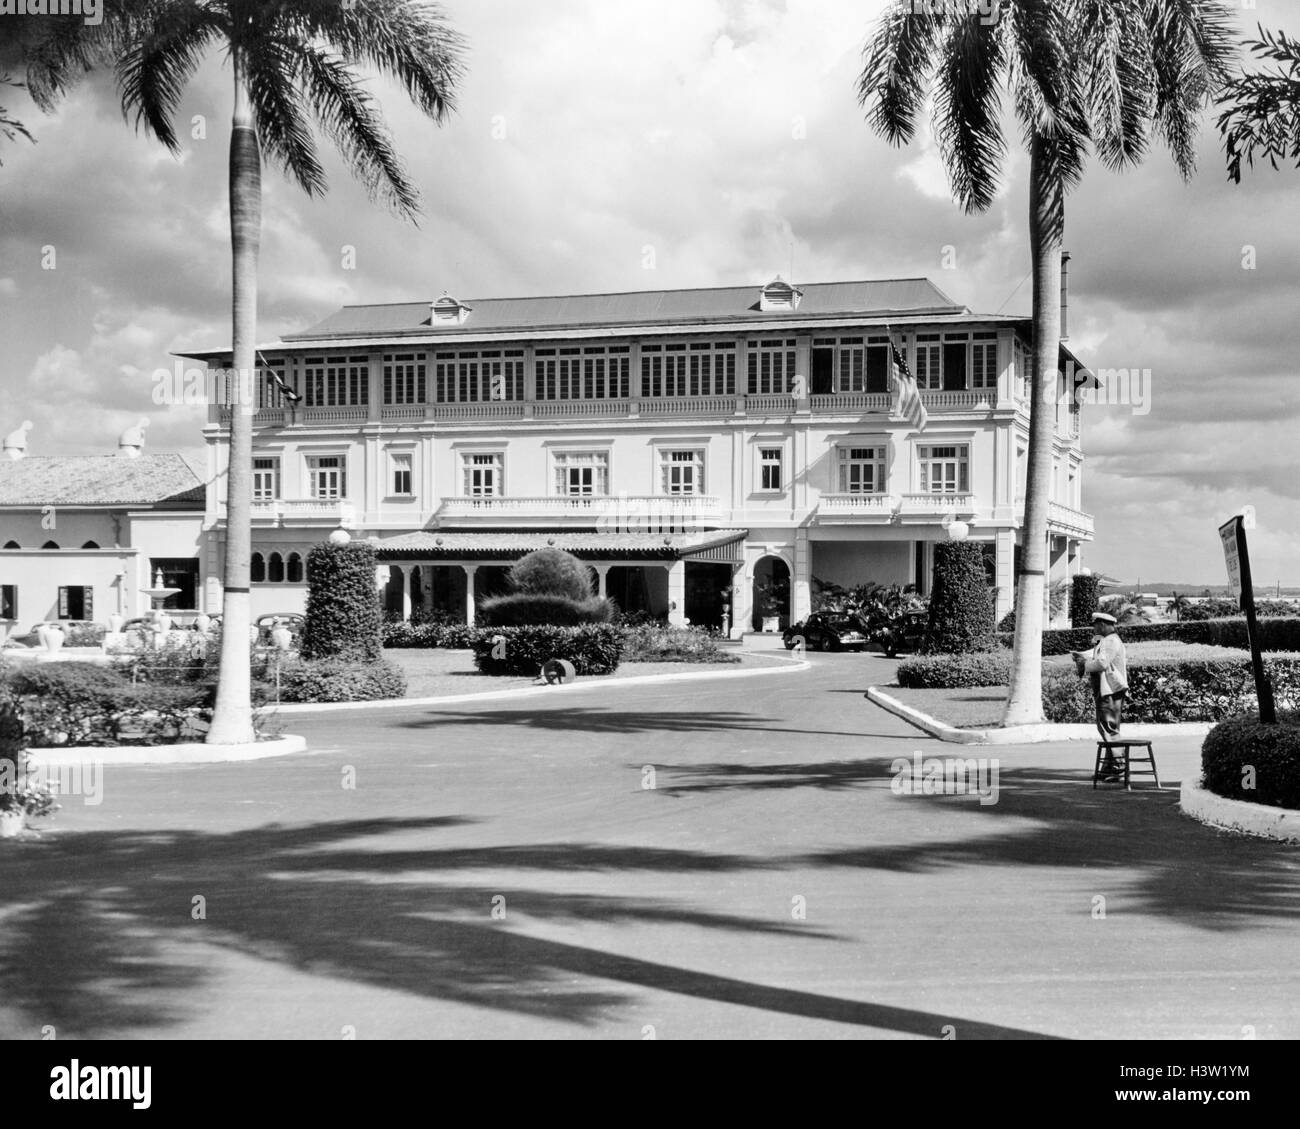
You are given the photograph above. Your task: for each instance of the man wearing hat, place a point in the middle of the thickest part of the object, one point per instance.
(1106, 665)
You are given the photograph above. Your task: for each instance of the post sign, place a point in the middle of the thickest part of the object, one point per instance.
(1237, 555)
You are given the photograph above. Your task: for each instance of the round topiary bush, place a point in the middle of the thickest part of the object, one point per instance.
(1085, 596)
(961, 605)
(344, 619)
(1243, 759)
(551, 572)
(523, 609)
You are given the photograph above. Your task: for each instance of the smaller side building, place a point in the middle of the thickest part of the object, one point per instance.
(82, 536)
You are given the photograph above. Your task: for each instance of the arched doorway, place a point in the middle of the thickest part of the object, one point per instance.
(771, 594)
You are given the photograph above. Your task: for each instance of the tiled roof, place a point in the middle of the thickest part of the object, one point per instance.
(429, 546)
(823, 299)
(100, 480)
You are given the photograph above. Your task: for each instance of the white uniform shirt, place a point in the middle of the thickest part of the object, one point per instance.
(1109, 661)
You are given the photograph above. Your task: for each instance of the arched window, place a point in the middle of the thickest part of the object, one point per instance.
(12, 545)
(257, 569)
(90, 545)
(50, 545)
(275, 569)
(295, 568)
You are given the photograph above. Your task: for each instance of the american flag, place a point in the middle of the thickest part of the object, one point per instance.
(909, 396)
(278, 383)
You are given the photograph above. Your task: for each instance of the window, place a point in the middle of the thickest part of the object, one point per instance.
(12, 545)
(483, 475)
(402, 483)
(595, 372)
(984, 361)
(928, 369)
(266, 478)
(50, 545)
(771, 367)
(479, 376)
(181, 573)
(771, 461)
(404, 378)
(76, 601)
(336, 382)
(328, 475)
(90, 545)
(271, 385)
(275, 569)
(582, 473)
(702, 368)
(683, 472)
(862, 470)
(945, 470)
(8, 601)
(294, 571)
(257, 568)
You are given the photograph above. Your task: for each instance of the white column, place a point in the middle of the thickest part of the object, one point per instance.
(801, 588)
(742, 601)
(1006, 559)
(470, 570)
(677, 594)
(408, 578)
(602, 572)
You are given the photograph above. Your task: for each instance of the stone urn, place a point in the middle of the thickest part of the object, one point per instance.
(115, 622)
(51, 636)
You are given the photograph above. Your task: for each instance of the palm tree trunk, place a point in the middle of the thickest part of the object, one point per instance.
(232, 720)
(1046, 223)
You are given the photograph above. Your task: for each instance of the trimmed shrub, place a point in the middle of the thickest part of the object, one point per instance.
(592, 648)
(524, 609)
(1274, 634)
(1211, 609)
(654, 643)
(961, 605)
(340, 680)
(551, 572)
(344, 619)
(1007, 624)
(950, 672)
(449, 636)
(1067, 698)
(1241, 751)
(1084, 599)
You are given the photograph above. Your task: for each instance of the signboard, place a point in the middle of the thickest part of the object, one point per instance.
(1228, 534)
(1237, 555)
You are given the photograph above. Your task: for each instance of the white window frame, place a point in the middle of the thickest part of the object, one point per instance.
(482, 479)
(928, 364)
(762, 462)
(983, 367)
(396, 459)
(848, 456)
(261, 495)
(314, 471)
(564, 463)
(686, 466)
(959, 463)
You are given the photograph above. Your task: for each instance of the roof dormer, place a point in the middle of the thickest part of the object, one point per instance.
(779, 296)
(448, 309)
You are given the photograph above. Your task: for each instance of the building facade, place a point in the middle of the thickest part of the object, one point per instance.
(84, 537)
(711, 454)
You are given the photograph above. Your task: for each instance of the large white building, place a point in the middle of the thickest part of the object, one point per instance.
(707, 452)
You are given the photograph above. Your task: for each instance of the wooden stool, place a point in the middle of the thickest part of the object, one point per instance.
(1126, 748)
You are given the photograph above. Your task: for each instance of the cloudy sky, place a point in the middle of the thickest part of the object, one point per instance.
(675, 143)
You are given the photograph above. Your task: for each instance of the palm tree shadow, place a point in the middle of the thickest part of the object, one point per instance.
(331, 899)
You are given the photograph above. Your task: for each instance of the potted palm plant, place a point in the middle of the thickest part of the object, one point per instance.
(773, 599)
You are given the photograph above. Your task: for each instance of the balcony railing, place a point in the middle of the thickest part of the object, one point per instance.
(980, 398)
(1068, 520)
(692, 406)
(621, 511)
(937, 505)
(857, 505)
(314, 508)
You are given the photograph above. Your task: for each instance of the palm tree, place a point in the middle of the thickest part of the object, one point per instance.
(1262, 108)
(1105, 73)
(1178, 604)
(293, 62)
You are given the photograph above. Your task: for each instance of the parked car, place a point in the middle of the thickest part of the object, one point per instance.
(268, 621)
(826, 633)
(901, 631)
(77, 632)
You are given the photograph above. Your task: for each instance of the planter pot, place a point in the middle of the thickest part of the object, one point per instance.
(115, 622)
(12, 824)
(771, 624)
(202, 623)
(51, 637)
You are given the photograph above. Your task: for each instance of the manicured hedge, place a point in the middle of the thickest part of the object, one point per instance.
(524, 609)
(448, 636)
(1277, 634)
(344, 619)
(1085, 596)
(950, 672)
(1245, 760)
(338, 680)
(961, 605)
(593, 649)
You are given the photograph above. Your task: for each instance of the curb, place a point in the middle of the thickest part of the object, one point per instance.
(190, 753)
(1257, 820)
(1026, 734)
(789, 666)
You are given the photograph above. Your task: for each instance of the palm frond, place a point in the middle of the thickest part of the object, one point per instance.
(1119, 80)
(967, 111)
(166, 48)
(1047, 85)
(1261, 114)
(59, 50)
(898, 61)
(351, 119)
(273, 72)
